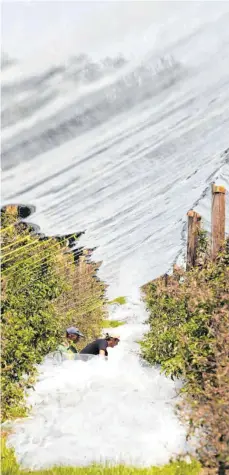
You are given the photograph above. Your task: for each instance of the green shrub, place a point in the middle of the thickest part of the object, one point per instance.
(43, 292)
(189, 338)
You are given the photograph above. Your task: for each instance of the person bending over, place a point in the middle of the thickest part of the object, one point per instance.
(68, 347)
(99, 346)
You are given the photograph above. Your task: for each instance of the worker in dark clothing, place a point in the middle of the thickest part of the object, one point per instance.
(99, 346)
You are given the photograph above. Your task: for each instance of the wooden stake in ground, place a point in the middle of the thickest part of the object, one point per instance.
(194, 220)
(218, 218)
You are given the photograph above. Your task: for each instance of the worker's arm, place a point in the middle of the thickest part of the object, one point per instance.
(103, 347)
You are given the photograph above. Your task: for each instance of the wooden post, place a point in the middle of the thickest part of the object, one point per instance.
(194, 220)
(218, 218)
(166, 278)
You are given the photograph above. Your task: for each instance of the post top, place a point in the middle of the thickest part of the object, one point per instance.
(193, 213)
(218, 189)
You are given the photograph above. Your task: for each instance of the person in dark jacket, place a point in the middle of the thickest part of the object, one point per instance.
(99, 346)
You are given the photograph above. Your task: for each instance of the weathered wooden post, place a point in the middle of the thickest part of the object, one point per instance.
(166, 280)
(218, 218)
(194, 221)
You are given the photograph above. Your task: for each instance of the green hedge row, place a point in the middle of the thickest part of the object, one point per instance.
(43, 292)
(189, 338)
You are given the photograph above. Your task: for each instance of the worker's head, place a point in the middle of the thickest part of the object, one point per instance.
(73, 334)
(112, 340)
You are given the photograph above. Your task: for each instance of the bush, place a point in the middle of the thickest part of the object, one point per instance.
(189, 338)
(43, 292)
